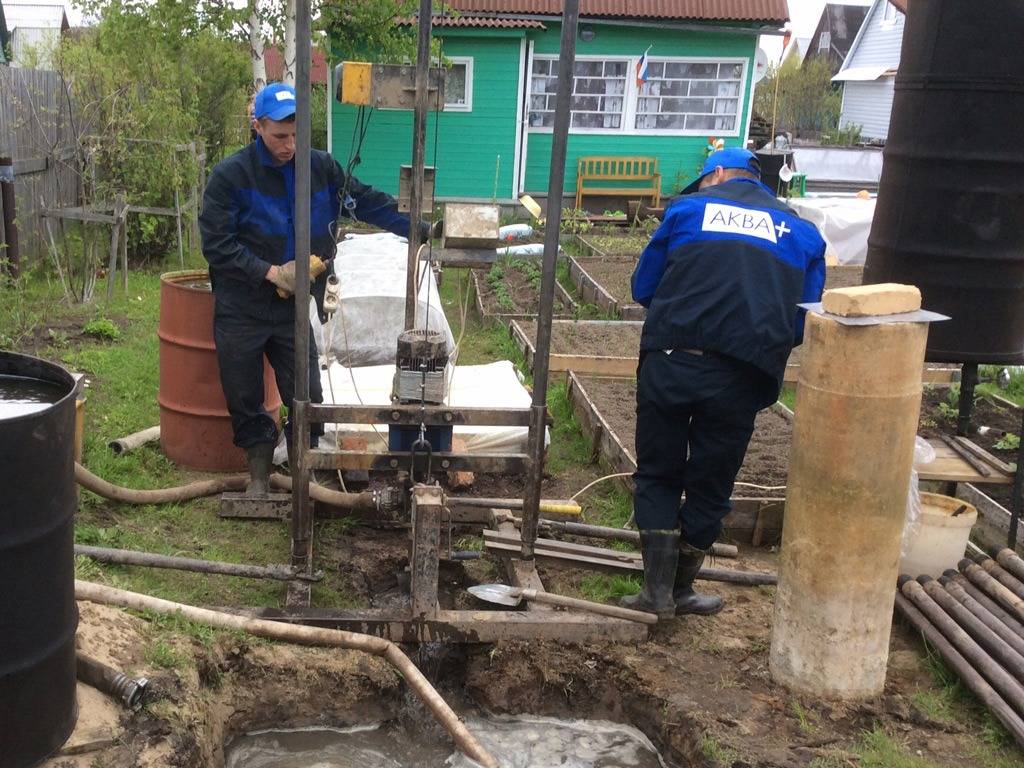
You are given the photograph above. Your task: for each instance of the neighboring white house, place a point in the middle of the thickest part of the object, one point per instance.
(34, 29)
(869, 73)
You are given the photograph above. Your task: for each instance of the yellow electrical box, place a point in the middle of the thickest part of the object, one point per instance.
(386, 86)
(355, 82)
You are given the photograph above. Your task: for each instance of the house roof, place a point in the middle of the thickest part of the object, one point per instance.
(767, 11)
(274, 63)
(35, 16)
(484, 22)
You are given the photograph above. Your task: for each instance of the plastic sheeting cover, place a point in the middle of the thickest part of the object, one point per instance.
(844, 222)
(839, 164)
(494, 385)
(364, 331)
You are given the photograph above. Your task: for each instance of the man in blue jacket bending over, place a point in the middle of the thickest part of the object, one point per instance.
(248, 234)
(721, 280)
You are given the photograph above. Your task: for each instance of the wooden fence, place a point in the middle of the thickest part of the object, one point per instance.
(37, 136)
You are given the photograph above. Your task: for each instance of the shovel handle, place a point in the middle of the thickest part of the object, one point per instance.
(587, 605)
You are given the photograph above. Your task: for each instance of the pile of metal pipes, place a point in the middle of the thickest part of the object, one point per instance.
(974, 618)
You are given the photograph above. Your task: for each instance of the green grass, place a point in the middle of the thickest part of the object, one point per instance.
(806, 720)
(603, 588)
(788, 396)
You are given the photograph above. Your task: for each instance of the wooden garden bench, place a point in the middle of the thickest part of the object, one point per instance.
(594, 173)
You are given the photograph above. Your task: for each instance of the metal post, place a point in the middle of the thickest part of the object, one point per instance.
(1017, 499)
(419, 134)
(968, 381)
(556, 183)
(302, 523)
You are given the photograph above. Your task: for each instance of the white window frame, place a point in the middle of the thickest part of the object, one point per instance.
(468, 106)
(632, 93)
(825, 41)
(889, 13)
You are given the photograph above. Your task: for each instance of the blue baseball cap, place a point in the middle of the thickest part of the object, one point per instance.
(730, 157)
(276, 101)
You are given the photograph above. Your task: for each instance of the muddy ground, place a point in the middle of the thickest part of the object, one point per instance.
(698, 687)
(513, 288)
(767, 459)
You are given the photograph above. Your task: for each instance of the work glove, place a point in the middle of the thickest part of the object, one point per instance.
(431, 231)
(284, 277)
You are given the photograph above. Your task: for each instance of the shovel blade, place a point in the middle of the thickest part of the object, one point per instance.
(496, 593)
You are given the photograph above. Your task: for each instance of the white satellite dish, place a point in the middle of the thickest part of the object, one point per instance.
(785, 173)
(760, 65)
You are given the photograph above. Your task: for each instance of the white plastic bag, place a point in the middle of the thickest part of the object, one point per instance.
(923, 454)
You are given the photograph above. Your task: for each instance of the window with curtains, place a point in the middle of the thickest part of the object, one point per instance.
(598, 94)
(681, 96)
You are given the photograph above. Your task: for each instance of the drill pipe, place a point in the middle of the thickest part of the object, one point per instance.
(991, 621)
(1010, 622)
(992, 643)
(983, 579)
(1011, 562)
(1001, 575)
(1007, 685)
(963, 669)
(153, 560)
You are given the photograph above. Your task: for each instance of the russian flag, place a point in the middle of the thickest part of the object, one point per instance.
(641, 69)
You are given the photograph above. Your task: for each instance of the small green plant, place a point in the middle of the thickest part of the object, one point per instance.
(1008, 442)
(846, 136)
(805, 720)
(718, 753)
(575, 221)
(162, 654)
(102, 328)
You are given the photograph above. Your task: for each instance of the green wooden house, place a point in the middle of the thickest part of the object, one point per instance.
(493, 139)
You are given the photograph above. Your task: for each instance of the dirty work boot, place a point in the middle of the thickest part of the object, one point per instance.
(660, 550)
(260, 458)
(686, 600)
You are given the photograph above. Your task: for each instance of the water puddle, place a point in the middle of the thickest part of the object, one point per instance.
(20, 395)
(517, 742)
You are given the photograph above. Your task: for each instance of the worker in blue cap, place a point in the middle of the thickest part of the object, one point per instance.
(248, 235)
(721, 279)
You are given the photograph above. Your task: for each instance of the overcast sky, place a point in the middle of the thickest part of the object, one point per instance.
(803, 15)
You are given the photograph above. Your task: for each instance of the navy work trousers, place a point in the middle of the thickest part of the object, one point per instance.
(241, 344)
(694, 418)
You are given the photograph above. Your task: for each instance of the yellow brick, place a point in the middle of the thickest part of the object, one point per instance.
(872, 300)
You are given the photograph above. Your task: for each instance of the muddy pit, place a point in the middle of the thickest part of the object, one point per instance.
(698, 687)
(513, 288)
(767, 459)
(516, 742)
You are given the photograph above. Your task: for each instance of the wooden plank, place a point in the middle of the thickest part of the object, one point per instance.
(30, 165)
(950, 467)
(79, 214)
(424, 561)
(152, 210)
(590, 290)
(484, 626)
(610, 560)
(993, 527)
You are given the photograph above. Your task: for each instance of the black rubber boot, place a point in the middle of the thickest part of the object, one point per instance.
(660, 550)
(686, 600)
(260, 458)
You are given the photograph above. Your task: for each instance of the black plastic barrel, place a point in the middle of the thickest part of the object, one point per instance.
(38, 615)
(950, 210)
(771, 161)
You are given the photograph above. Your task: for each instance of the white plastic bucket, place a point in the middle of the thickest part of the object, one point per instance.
(942, 538)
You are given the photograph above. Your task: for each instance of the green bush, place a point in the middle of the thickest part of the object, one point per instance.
(102, 328)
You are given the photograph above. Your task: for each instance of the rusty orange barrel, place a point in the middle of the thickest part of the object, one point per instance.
(195, 427)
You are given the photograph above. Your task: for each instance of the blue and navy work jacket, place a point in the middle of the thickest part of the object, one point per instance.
(247, 224)
(724, 273)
